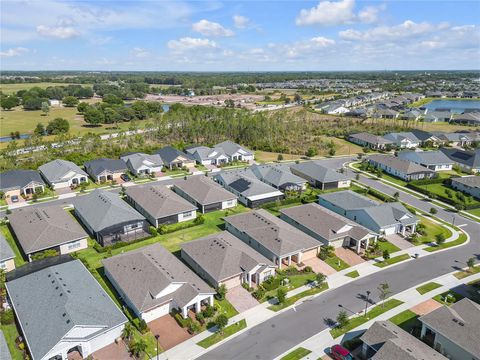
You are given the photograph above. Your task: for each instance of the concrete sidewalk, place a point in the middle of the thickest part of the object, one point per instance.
(321, 342)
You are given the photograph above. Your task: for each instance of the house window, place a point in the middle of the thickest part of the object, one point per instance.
(74, 245)
(187, 214)
(132, 227)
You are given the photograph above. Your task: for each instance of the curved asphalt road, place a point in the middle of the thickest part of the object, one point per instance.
(283, 332)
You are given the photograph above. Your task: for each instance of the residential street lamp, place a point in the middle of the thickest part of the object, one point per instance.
(366, 302)
(156, 337)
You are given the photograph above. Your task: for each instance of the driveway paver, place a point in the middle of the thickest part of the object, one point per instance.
(114, 351)
(319, 266)
(399, 241)
(426, 307)
(241, 299)
(170, 332)
(348, 256)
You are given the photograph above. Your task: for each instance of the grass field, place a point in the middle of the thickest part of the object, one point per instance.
(440, 189)
(219, 336)
(13, 88)
(406, 320)
(293, 299)
(463, 274)
(393, 260)
(336, 263)
(427, 287)
(265, 156)
(431, 230)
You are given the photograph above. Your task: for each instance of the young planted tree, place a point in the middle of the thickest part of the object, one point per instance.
(221, 322)
(221, 292)
(320, 279)
(439, 239)
(384, 292)
(281, 295)
(342, 318)
(433, 211)
(127, 331)
(471, 263)
(45, 108)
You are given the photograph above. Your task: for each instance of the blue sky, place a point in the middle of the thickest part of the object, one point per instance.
(234, 35)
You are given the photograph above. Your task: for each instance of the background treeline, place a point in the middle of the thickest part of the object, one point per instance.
(284, 131)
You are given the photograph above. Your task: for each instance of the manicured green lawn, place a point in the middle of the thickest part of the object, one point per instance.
(336, 263)
(296, 354)
(463, 274)
(224, 307)
(10, 332)
(228, 331)
(406, 320)
(427, 287)
(295, 281)
(440, 189)
(393, 260)
(293, 299)
(385, 245)
(455, 297)
(19, 261)
(432, 229)
(353, 274)
(359, 320)
(475, 212)
(461, 239)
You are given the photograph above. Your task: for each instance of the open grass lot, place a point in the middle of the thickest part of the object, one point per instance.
(219, 336)
(297, 354)
(293, 299)
(10, 332)
(265, 156)
(427, 287)
(431, 230)
(453, 297)
(359, 320)
(13, 88)
(406, 320)
(465, 273)
(392, 260)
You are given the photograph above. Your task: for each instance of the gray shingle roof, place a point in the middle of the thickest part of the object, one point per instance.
(318, 172)
(97, 166)
(6, 251)
(468, 158)
(246, 183)
(143, 273)
(276, 235)
(102, 209)
(39, 228)
(137, 160)
(393, 343)
(471, 181)
(230, 148)
(326, 223)
(348, 200)
(203, 190)
(223, 255)
(169, 154)
(402, 136)
(17, 179)
(277, 175)
(399, 164)
(158, 200)
(425, 157)
(371, 139)
(52, 301)
(54, 171)
(460, 323)
(4, 351)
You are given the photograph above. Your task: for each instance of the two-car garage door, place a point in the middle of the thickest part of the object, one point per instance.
(156, 313)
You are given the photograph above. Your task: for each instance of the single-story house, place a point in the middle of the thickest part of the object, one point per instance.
(153, 283)
(279, 176)
(320, 176)
(468, 184)
(467, 118)
(456, 139)
(401, 168)
(381, 218)
(4, 351)
(385, 341)
(427, 138)
(274, 238)
(102, 170)
(467, 160)
(234, 151)
(141, 164)
(7, 256)
(61, 308)
(433, 160)
(328, 227)
(61, 174)
(369, 140)
(250, 191)
(225, 259)
(454, 330)
(403, 140)
(46, 227)
(204, 193)
(173, 158)
(108, 218)
(385, 114)
(160, 205)
(208, 156)
(437, 116)
(21, 182)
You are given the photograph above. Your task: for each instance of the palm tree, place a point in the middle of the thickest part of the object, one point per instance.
(127, 332)
(137, 347)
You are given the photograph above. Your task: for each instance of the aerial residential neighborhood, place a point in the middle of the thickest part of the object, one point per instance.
(259, 180)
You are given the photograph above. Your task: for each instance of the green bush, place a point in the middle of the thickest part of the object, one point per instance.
(153, 231)
(6, 317)
(200, 219)
(259, 293)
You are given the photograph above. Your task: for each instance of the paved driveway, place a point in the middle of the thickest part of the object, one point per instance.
(426, 307)
(399, 241)
(319, 266)
(170, 332)
(113, 352)
(241, 299)
(348, 256)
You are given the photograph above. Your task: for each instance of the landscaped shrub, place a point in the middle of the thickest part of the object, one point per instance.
(153, 231)
(180, 320)
(142, 326)
(272, 283)
(44, 254)
(167, 229)
(259, 293)
(209, 311)
(6, 317)
(307, 269)
(102, 249)
(281, 295)
(200, 219)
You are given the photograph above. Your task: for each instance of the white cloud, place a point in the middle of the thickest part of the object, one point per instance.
(337, 13)
(140, 52)
(240, 21)
(209, 28)
(18, 51)
(188, 43)
(406, 29)
(59, 32)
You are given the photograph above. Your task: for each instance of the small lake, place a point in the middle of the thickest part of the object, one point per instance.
(455, 106)
(9, 138)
